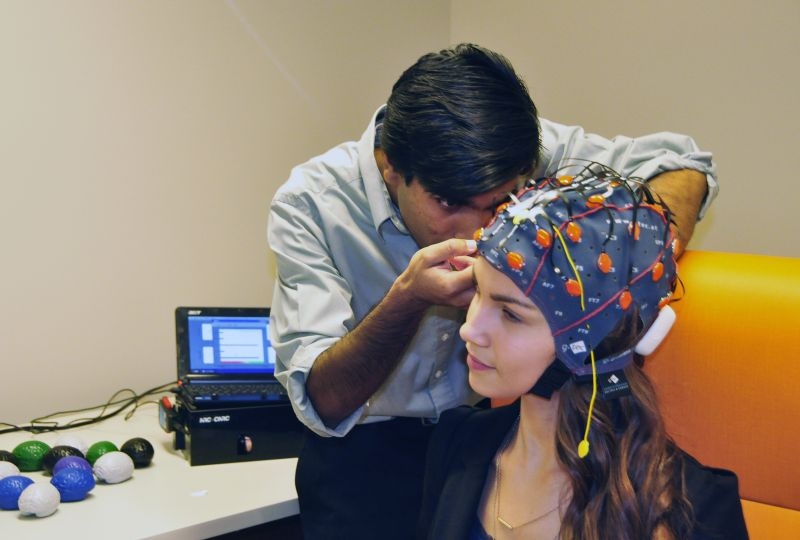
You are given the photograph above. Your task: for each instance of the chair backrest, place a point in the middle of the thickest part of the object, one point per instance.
(728, 373)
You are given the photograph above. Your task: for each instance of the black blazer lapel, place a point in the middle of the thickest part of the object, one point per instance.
(479, 438)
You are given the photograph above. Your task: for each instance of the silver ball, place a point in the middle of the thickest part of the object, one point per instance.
(8, 469)
(40, 499)
(113, 467)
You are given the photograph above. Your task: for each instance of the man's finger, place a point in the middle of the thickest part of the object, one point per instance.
(460, 263)
(453, 247)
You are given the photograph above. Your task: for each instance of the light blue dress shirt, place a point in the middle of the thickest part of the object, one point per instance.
(339, 244)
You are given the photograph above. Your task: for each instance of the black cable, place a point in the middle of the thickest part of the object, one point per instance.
(48, 423)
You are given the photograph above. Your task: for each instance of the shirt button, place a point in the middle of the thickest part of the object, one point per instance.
(445, 337)
(438, 374)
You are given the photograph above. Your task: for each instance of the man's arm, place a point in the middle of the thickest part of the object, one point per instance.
(347, 374)
(683, 191)
(676, 169)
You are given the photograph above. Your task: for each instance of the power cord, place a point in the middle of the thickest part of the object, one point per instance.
(111, 408)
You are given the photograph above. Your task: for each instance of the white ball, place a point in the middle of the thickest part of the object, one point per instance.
(74, 441)
(8, 469)
(40, 499)
(113, 467)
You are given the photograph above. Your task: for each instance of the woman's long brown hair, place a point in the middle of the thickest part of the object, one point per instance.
(630, 486)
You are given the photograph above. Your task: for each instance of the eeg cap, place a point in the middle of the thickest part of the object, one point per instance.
(586, 249)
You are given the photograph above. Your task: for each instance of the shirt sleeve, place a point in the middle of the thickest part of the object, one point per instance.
(643, 157)
(310, 307)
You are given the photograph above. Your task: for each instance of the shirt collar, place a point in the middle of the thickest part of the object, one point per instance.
(384, 212)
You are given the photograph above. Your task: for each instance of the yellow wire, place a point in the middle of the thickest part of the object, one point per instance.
(583, 446)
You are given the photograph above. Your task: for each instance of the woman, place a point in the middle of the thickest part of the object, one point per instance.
(572, 288)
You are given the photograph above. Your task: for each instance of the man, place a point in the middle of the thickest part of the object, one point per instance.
(373, 247)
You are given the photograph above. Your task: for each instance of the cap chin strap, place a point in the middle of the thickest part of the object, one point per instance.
(657, 332)
(552, 379)
(556, 374)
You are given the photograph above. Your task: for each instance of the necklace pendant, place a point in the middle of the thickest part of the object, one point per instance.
(505, 523)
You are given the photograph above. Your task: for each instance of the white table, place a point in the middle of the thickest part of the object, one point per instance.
(168, 499)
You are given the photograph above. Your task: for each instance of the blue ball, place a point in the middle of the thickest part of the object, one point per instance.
(72, 462)
(11, 487)
(73, 483)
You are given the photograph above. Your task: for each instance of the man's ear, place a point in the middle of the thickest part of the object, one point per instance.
(390, 175)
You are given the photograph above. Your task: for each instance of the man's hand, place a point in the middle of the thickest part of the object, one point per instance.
(345, 376)
(440, 274)
(683, 191)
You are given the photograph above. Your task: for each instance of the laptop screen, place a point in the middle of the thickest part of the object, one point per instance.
(224, 342)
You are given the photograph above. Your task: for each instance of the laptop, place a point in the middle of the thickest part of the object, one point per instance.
(225, 357)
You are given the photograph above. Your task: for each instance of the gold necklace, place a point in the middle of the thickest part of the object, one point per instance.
(503, 522)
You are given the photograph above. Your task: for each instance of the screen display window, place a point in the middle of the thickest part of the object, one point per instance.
(230, 345)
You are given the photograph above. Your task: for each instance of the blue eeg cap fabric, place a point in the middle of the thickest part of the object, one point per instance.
(586, 249)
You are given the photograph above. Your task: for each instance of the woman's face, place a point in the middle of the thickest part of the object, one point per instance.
(509, 343)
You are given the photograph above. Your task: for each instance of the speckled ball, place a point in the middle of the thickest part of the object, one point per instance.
(5, 455)
(98, 449)
(140, 450)
(39, 499)
(113, 467)
(55, 454)
(8, 469)
(72, 462)
(30, 455)
(73, 484)
(11, 487)
(74, 441)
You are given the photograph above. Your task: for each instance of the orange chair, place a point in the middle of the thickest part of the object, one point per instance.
(727, 378)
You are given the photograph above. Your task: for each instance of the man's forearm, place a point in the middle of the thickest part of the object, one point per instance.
(683, 191)
(345, 376)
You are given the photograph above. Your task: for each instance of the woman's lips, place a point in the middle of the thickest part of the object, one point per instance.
(475, 364)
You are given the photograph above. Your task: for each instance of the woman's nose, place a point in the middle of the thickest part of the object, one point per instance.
(470, 331)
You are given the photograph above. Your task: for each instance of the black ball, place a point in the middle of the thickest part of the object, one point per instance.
(5, 455)
(52, 456)
(140, 451)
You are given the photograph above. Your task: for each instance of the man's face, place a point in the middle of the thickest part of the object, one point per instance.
(431, 219)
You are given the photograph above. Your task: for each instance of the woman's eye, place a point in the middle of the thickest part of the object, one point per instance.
(510, 315)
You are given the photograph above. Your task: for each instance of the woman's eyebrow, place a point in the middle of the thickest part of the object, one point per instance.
(527, 304)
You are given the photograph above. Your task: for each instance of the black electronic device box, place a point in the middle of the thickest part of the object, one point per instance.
(233, 434)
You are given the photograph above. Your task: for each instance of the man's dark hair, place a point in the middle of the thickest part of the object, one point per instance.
(462, 122)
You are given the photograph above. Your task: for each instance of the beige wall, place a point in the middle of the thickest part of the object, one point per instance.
(723, 71)
(141, 141)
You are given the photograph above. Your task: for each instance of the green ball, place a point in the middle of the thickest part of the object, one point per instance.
(30, 455)
(98, 449)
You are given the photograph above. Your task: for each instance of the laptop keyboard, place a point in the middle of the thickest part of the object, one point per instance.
(235, 392)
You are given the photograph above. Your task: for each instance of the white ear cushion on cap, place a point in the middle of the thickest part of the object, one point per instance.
(657, 332)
